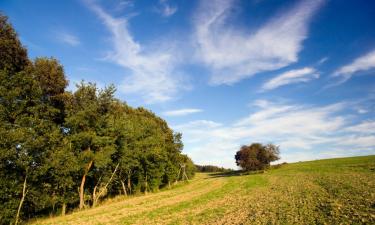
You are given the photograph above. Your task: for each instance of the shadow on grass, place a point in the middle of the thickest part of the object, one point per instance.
(234, 173)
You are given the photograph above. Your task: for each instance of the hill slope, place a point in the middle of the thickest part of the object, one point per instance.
(329, 191)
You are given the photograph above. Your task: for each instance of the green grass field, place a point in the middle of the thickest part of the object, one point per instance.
(332, 191)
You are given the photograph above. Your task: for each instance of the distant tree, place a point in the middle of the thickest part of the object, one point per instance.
(211, 168)
(256, 156)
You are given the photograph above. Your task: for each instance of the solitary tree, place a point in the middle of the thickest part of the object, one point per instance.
(256, 156)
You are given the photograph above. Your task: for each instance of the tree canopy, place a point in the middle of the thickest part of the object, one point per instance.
(60, 150)
(256, 156)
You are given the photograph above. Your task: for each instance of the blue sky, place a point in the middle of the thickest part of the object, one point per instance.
(299, 74)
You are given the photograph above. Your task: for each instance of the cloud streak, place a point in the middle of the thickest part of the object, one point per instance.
(291, 77)
(68, 38)
(363, 63)
(233, 53)
(182, 112)
(166, 9)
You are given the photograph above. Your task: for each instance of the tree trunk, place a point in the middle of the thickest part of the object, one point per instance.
(82, 187)
(169, 184)
(63, 209)
(123, 188)
(178, 175)
(129, 182)
(96, 198)
(21, 202)
(94, 192)
(187, 178)
(53, 204)
(146, 185)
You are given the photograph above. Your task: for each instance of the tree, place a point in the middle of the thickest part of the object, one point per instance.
(13, 56)
(27, 125)
(256, 156)
(88, 130)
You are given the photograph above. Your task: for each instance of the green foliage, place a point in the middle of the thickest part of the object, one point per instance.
(256, 156)
(211, 168)
(12, 54)
(54, 142)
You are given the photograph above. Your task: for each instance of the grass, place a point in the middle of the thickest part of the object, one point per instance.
(332, 191)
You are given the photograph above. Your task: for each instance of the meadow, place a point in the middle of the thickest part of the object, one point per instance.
(331, 191)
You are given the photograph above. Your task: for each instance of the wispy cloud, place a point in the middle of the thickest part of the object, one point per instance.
(182, 112)
(290, 77)
(207, 124)
(166, 9)
(153, 68)
(301, 130)
(233, 53)
(68, 38)
(323, 60)
(363, 63)
(123, 4)
(364, 127)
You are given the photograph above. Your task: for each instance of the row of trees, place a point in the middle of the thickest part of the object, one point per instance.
(60, 150)
(211, 168)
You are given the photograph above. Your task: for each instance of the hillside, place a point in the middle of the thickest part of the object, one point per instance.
(325, 191)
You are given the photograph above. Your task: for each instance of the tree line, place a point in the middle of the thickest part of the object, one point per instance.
(211, 168)
(61, 150)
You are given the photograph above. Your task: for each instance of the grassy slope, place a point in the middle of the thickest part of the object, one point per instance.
(329, 191)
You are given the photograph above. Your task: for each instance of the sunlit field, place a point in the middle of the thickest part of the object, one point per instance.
(333, 191)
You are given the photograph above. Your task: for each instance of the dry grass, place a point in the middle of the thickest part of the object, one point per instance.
(336, 191)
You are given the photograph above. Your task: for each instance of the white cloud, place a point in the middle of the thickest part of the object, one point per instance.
(359, 142)
(303, 132)
(199, 123)
(290, 77)
(166, 9)
(68, 38)
(153, 68)
(363, 63)
(182, 112)
(234, 53)
(364, 127)
(362, 111)
(123, 4)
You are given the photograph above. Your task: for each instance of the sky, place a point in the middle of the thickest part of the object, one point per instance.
(224, 73)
